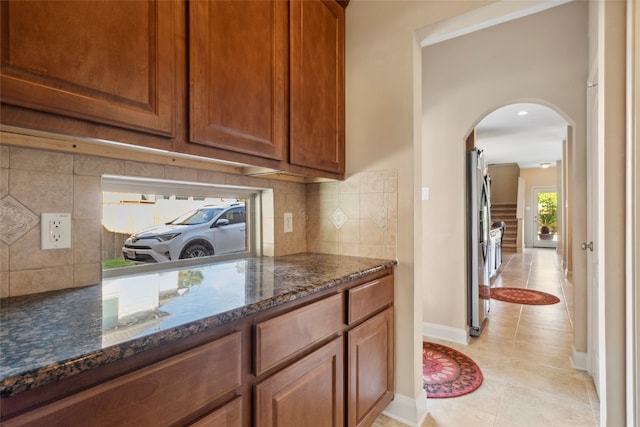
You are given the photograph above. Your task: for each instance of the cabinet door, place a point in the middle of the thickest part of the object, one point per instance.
(371, 364)
(238, 68)
(103, 61)
(309, 392)
(230, 415)
(317, 85)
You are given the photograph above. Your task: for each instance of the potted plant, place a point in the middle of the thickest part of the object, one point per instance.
(547, 226)
(547, 215)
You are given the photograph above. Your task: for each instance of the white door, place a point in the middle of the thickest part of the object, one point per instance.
(595, 294)
(545, 217)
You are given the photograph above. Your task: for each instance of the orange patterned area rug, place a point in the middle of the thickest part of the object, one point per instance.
(523, 296)
(448, 373)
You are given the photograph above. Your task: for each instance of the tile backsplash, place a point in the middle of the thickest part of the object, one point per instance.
(357, 216)
(33, 181)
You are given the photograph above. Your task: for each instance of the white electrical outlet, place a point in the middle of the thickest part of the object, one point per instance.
(55, 231)
(288, 222)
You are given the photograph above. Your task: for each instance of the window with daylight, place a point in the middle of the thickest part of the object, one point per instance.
(150, 224)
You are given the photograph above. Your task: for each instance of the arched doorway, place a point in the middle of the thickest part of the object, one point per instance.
(523, 145)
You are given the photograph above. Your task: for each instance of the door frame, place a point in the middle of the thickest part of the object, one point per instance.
(594, 211)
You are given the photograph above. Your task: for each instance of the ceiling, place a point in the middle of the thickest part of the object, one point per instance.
(528, 140)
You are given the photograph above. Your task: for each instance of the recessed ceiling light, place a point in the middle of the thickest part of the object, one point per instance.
(523, 113)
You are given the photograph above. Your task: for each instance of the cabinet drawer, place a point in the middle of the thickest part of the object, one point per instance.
(285, 335)
(160, 394)
(366, 299)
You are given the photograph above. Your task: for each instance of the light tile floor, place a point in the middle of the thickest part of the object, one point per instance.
(524, 354)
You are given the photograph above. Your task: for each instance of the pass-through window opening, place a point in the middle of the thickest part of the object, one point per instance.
(152, 224)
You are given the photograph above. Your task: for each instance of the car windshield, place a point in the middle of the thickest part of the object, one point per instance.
(199, 216)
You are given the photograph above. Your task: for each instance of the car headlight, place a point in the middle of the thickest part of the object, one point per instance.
(166, 237)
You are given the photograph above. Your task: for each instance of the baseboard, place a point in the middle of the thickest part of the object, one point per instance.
(447, 333)
(579, 359)
(406, 410)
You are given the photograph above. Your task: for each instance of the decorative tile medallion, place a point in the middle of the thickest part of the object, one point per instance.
(15, 220)
(380, 219)
(338, 218)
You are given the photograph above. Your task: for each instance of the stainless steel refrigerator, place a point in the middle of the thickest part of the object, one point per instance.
(478, 227)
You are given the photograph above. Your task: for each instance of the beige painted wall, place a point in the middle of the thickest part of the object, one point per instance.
(561, 203)
(541, 58)
(534, 177)
(504, 183)
(383, 126)
(385, 74)
(567, 261)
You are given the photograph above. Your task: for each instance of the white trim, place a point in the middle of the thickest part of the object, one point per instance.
(579, 359)
(443, 332)
(406, 410)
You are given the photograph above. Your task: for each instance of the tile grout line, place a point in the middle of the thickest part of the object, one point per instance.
(495, 420)
(520, 310)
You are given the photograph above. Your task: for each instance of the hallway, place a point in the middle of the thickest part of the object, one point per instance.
(524, 354)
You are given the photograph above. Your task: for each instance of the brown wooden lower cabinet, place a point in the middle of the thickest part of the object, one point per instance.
(161, 394)
(323, 361)
(230, 415)
(309, 392)
(371, 377)
(281, 337)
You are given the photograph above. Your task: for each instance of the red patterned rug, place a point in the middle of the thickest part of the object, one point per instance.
(448, 373)
(523, 296)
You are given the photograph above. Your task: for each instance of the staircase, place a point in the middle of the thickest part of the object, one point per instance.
(507, 213)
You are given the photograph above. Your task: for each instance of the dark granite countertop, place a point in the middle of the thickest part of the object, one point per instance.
(54, 335)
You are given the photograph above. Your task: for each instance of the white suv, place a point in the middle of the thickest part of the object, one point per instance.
(210, 230)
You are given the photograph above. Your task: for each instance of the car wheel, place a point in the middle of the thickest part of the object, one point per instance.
(196, 250)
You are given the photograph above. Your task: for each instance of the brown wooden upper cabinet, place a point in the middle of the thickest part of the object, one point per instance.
(254, 82)
(238, 66)
(105, 62)
(267, 79)
(317, 85)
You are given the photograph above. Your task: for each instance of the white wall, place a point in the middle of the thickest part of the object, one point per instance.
(541, 58)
